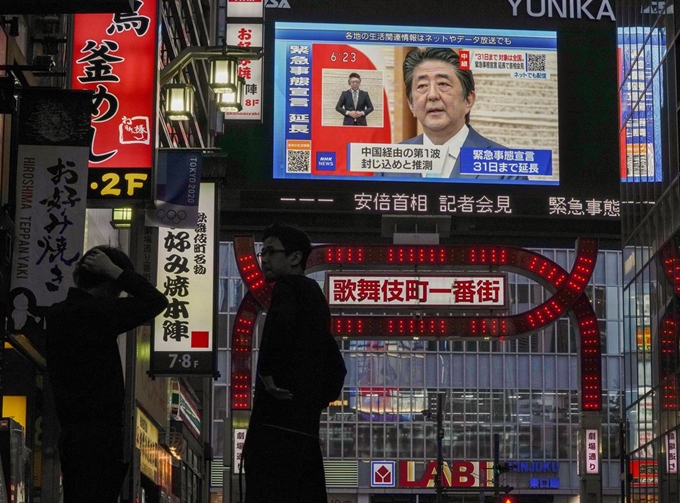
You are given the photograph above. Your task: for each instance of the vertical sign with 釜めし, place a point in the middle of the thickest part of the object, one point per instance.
(50, 194)
(183, 341)
(247, 35)
(114, 55)
(592, 452)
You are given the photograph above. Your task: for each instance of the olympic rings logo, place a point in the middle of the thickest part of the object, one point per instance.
(171, 216)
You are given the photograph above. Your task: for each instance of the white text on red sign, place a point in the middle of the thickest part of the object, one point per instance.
(486, 291)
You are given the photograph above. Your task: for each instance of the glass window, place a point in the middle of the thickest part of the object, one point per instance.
(223, 367)
(613, 265)
(224, 324)
(599, 302)
(220, 407)
(562, 336)
(363, 440)
(217, 442)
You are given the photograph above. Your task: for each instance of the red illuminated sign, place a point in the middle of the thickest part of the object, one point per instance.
(668, 361)
(471, 291)
(455, 474)
(644, 473)
(114, 55)
(567, 290)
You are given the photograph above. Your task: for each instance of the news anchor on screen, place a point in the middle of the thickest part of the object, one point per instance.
(354, 104)
(441, 96)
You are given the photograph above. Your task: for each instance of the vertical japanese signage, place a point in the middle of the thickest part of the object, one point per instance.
(247, 35)
(184, 333)
(592, 452)
(672, 452)
(51, 184)
(146, 440)
(298, 108)
(239, 442)
(114, 55)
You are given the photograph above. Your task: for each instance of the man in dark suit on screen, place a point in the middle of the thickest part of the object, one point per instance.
(441, 96)
(354, 104)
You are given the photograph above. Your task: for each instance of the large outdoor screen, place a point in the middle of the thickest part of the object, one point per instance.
(316, 137)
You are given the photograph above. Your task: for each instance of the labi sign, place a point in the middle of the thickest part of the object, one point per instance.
(454, 474)
(565, 9)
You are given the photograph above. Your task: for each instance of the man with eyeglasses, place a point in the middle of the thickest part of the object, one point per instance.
(299, 372)
(354, 104)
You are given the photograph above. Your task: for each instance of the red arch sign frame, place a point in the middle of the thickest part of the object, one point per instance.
(567, 288)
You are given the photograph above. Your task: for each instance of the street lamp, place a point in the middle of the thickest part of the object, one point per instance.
(232, 101)
(223, 77)
(223, 74)
(179, 101)
(121, 218)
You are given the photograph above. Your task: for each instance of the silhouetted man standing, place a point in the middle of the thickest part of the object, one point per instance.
(85, 370)
(299, 372)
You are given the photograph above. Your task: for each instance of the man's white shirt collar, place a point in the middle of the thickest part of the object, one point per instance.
(453, 146)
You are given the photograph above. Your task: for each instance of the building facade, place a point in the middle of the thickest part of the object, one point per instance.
(165, 434)
(378, 444)
(650, 192)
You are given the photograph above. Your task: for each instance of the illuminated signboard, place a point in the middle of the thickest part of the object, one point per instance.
(382, 474)
(592, 451)
(247, 35)
(50, 196)
(411, 202)
(672, 452)
(644, 473)
(315, 139)
(454, 474)
(184, 334)
(471, 291)
(239, 442)
(458, 474)
(643, 336)
(146, 440)
(114, 55)
(641, 103)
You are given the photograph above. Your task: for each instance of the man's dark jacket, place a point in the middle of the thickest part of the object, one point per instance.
(83, 361)
(473, 140)
(346, 104)
(297, 348)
